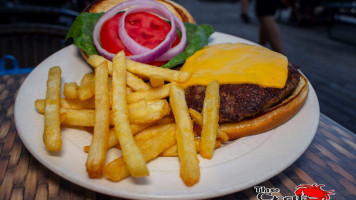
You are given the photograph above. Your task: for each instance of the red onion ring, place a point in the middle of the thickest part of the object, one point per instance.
(180, 47)
(147, 55)
(109, 14)
(141, 53)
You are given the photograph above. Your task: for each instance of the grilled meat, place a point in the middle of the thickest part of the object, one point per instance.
(242, 101)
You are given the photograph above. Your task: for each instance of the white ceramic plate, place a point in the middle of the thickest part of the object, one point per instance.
(240, 164)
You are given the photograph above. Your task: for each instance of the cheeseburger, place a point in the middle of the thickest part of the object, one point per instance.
(259, 88)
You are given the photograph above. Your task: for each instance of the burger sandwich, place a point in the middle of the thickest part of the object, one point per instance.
(259, 88)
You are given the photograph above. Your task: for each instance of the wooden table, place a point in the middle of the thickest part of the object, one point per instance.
(329, 160)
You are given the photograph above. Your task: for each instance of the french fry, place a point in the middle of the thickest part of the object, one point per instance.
(110, 89)
(96, 60)
(210, 120)
(62, 117)
(156, 81)
(152, 94)
(85, 104)
(129, 90)
(143, 112)
(70, 90)
(82, 117)
(86, 148)
(77, 104)
(112, 138)
(164, 120)
(67, 103)
(198, 119)
(97, 153)
(146, 70)
(132, 81)
(189, 163)
(173, 150)
(150, 132)
(143, 135)
(118, 170)
(52, 131)
(87, 87)
(40, 105)
(131, 153)
(136, 83)
(135, 128)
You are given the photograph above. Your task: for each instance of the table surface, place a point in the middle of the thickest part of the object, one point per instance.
(329, 160)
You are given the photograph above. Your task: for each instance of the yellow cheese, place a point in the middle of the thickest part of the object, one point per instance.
(236, 64)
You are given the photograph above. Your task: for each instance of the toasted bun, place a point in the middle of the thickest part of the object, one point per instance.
(176, 9)
(276, 116)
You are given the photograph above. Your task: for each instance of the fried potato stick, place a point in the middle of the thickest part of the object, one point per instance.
(145, 114)
(151, 132)
(198, 119)
(152, 94)
(52, 130)
(118, 170)
(146, 70)
(70, 90)
(136, 83)
(97, 153)
(189, 163)
(156, 81)
(173, 150)
(96, 60)
(87, 87)
(164, 120)
(82, 117)
(67, 103)
(132, 97)
(148, 111)
(112, 138)
(131, 153)
(132, 81)
(210, 120)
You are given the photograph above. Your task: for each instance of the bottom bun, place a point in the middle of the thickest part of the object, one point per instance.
(271, 119)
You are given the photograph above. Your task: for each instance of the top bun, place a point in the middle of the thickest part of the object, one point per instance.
(176, 9)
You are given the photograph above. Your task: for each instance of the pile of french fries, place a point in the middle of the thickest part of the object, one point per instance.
(138, 108)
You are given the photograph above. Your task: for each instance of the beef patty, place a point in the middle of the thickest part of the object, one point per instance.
(241, 101)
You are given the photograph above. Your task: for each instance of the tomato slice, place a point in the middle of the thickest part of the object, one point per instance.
(145, 28)
(109, 36)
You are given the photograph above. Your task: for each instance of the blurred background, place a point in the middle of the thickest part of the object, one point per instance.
(317, 35)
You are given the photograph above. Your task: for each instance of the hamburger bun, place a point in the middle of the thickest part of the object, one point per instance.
(175, 8)
(271, 119)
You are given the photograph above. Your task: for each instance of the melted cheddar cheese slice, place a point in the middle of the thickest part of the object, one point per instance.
(236, 63)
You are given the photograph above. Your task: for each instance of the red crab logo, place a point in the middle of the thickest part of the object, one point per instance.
(313, 191)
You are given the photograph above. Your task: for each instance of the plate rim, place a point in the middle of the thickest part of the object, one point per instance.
(187, 196)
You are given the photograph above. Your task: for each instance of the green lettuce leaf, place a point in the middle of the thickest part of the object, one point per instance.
(82, 30)
(198, 37)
